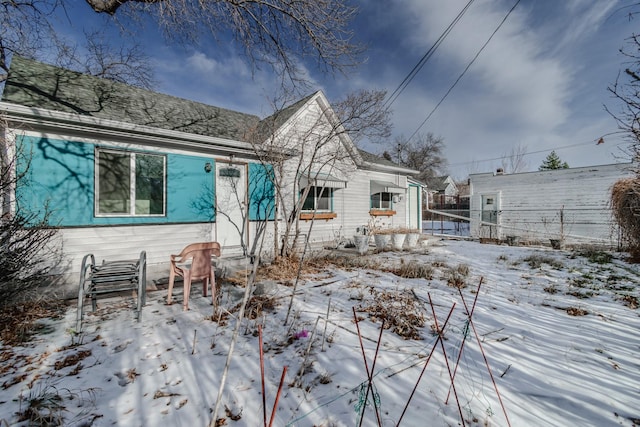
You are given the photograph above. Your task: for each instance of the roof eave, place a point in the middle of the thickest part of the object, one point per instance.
(50, 119)
(388, 168)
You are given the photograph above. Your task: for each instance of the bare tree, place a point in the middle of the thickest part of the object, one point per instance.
(28, 248)
(514, 161)
(423, 153)
(314, 146)
(275, 32)
(28, 30)
(626, 90)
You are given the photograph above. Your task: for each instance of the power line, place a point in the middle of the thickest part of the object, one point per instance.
(525, 154)
(465, 70)
(401, 87)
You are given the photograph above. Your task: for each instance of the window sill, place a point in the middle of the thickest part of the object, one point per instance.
(318, 215)
(382, 212)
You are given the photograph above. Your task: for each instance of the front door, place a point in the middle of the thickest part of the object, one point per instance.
(231, 206)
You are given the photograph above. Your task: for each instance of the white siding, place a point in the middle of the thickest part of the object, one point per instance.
(531, 205)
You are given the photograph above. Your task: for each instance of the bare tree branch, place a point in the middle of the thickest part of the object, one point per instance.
(280, 33)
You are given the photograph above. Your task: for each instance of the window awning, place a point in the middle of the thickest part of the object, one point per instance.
(386, 187)
(322, 180)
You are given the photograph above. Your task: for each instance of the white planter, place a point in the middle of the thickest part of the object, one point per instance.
(397, 241)
(382, 240)
(362, 243)
(412, 240)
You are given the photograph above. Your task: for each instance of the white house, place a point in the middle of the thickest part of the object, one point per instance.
(122, 169)
(568, 205)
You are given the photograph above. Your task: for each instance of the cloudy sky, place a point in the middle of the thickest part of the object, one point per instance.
(539, 84)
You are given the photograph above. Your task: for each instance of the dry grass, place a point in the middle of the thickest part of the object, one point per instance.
(256, 306)
(20, 321)
(625, 205)
(400, 311)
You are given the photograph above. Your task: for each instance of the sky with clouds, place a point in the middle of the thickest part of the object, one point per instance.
(540, 83)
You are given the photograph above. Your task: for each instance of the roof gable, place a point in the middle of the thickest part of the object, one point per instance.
(34, 84)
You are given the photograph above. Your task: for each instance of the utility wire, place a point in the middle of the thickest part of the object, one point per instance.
(401, 87)
(465, 70)
(526, 154)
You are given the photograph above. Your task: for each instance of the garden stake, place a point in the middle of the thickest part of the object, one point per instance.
(486, 362)
(306, 355)
(469, 314)
(435, 344)
(193, 347)
(275, 404)
(446, 359)
(366, 366)
(264, 397)
(326, 320)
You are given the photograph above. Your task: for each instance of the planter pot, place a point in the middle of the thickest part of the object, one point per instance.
(382, 240)
(362, 244)
(397, 241)
(412, 240)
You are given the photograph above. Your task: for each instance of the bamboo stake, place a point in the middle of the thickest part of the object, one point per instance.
(366, 367)
(486, 362)
(225, 372)
(446, 359)
(444, 325)
(306, 355)
(326, 321)
(469, 314)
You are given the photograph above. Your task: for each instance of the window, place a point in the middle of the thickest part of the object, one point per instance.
(131, 184)
(318, 199)
(382, 201)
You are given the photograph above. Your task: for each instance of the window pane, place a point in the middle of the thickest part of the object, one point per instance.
(149, 185)
(324, 199)
(114, 177)
(309, 202)
(386, 200)
(375, 201)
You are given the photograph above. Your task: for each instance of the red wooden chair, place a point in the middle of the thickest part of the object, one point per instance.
(193, 264)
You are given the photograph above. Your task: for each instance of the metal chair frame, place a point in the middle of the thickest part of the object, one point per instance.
(111, 277)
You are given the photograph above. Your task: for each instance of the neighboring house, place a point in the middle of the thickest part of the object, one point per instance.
(571, 205)
(124, 169)
(442, 192)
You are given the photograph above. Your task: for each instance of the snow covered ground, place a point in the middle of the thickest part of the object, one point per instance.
(554, 340)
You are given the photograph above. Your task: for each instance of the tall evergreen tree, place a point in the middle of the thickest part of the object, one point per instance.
(553, 162)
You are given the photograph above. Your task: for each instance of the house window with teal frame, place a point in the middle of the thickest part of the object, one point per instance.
(130, 183)
(319, 199)
(382, 201)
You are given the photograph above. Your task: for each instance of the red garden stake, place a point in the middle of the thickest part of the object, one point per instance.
(275, 404)
(446, 359)
(469, 314)
(444, 325)
(486, 362)
(264, 397)
(369, 373)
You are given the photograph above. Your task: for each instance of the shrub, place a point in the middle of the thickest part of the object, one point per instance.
(625, 205)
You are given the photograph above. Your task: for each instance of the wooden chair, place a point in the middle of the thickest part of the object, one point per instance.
(193, 264)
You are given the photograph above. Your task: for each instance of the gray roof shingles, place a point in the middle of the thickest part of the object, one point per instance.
(34, 84)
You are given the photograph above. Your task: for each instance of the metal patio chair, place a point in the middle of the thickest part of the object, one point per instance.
(111, 277)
